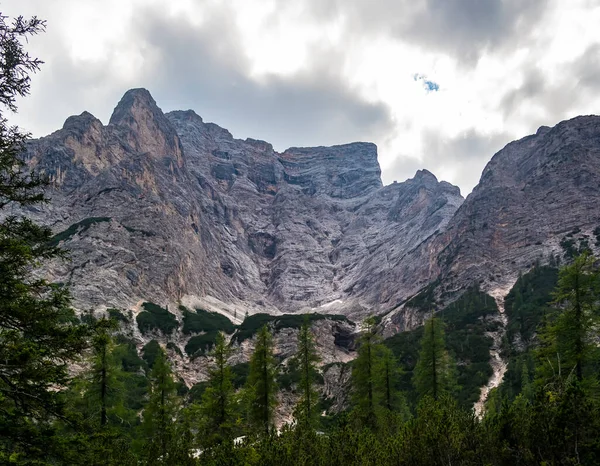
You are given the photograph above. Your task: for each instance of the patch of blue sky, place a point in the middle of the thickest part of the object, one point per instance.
(430, 86)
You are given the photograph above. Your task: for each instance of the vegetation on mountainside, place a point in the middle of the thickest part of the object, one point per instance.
(156, 318)
(252, 324)
(76, 228)
(466, 322)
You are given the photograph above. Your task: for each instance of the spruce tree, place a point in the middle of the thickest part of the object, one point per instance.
(102, 388)
(306, 359)
(39, 335)
(218, 400)
(160, 412)
(364, 378)
(434, 372)
(261, 387)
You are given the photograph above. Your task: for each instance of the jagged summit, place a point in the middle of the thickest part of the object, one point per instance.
(187, 210)
(81, 122)
(131, 104)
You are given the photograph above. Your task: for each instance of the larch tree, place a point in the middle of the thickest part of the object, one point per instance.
(306, 360)
(161, 411)
(218, 406)
(364, 379)
(568, 335)
(261, 386)
(434, 371)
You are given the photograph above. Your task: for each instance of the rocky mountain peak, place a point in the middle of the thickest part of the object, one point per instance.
(425, 176)
(133, 104)
(346, 171)
(145, 126)
(81, 123)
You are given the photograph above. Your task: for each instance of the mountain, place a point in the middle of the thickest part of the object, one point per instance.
(536, 202)
(168, 208)
(168, 218)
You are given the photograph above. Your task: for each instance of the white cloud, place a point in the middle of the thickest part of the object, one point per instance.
(313, 72)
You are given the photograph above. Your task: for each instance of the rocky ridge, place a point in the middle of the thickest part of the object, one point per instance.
(167, 207)
(170, 209)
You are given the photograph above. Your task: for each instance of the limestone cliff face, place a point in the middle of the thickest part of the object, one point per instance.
(167, 207)
(534, 194)
(537, 198)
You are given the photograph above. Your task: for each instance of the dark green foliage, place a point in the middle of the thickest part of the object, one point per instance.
(154, 317)
(466, 321)
(569, 335)
(173, 347)
(573, 247)
(194, 395)
(260, 391)
(39, 334)
(252, 324)
(200, 321)
(528, 301)
(218, 408)
(425, 300)
(162, 407)
(364, 383)
(597, 235)
(240, 374)
(200, 344)
(117, 315)
(434, 371)
(78, 227)
(127, 354)
(150, 352)
(305, 362)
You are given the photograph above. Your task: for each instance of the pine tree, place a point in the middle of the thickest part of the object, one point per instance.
(39, 335)
(434, 372)
(218, 400)
(364, 375)
(102, 390)
(567, 339)
(161, 411)
(261, 387)
(306, 359)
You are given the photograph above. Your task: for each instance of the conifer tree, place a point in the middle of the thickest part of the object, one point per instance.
(364, 378)
(161, 410)
(261, 387)
(218, 400)
(306, 359)
(39, 335)
(102, 389)
(577, 293)
(434, 372)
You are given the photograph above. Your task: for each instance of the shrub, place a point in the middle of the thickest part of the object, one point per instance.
(155, 317)
(199, 321)
(78, 227)
(150, 352)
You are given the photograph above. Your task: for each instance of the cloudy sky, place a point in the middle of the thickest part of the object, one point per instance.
(436, 84)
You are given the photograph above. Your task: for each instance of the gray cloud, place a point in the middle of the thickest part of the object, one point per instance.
(464, 29)
(204, 68)
(466, 154)
(312, 107)
(556, 97)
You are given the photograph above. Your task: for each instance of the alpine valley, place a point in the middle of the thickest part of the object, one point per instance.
(181, 230)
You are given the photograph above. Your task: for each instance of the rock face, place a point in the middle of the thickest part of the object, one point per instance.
(537, 197)
(173, 210)
(537, 201)
(167, 207)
